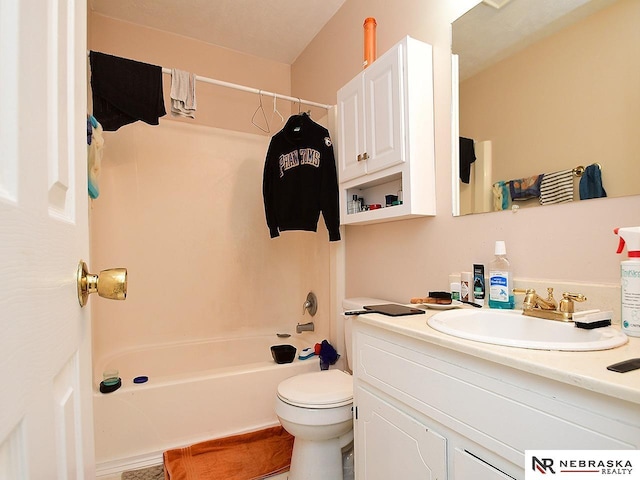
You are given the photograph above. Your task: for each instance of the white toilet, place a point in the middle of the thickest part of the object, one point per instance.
(316, 408)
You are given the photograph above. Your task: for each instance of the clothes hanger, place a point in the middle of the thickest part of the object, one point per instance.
(300, 112)
(275, 110)
(264, 116)
(295, 121)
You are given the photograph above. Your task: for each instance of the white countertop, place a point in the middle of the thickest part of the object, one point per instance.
(582, 369)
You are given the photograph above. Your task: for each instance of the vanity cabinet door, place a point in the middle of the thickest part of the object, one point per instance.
(467, 466)
(391, 444)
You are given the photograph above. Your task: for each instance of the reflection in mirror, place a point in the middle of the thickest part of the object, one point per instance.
(566, 96)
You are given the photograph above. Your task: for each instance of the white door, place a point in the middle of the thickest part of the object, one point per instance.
(45, 337)
(384, 111)
(351, 130)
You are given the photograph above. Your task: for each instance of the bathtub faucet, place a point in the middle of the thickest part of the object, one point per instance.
(305, 327)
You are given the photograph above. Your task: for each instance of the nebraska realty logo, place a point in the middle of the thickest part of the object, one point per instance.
(582, 464)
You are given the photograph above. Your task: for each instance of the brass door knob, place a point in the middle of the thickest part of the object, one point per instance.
(110, 283)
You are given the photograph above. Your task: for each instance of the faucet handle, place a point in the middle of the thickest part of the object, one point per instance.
(310, 304)
(533, 300)
(523, 290)
(566, 304)
(529, 297)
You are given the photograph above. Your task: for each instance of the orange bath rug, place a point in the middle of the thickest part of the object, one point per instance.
(250, 456)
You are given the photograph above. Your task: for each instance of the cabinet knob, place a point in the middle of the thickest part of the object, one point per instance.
(362, 157)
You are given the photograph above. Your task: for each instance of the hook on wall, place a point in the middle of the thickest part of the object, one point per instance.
(264, 116)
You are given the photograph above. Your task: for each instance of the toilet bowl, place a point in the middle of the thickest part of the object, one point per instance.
(316, 408)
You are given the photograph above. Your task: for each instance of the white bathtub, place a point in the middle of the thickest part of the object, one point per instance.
(196, 391)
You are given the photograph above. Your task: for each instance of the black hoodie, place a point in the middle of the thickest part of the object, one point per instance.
(300, 179)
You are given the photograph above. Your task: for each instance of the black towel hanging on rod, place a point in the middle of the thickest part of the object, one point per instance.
(125, 91)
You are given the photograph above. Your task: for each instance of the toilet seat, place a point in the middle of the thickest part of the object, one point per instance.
(324, 389)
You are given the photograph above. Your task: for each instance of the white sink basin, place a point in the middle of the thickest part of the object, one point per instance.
(512, 329)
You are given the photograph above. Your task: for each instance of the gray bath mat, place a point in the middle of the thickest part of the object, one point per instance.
(151, 473)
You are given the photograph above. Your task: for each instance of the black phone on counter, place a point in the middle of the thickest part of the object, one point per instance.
(626, 366)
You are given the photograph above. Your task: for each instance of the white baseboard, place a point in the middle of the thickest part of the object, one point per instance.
(105, 470)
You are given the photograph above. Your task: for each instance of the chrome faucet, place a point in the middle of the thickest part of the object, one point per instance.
(305, 327)
(548, 308)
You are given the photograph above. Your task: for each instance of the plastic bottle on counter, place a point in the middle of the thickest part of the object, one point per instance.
(466, 286)
(455, 290)
(630, 280)
(478, 284)
(500, 283)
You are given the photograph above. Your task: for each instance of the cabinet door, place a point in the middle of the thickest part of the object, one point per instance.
(351, 141)
(384, 111)
(466, 466)
(391, 444)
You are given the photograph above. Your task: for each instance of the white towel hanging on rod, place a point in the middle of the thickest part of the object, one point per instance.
(244, 88)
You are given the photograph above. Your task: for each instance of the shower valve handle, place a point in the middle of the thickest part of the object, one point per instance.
(310, 304)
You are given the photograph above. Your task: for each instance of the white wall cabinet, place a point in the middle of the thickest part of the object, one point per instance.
(448, 415)
(386, 135)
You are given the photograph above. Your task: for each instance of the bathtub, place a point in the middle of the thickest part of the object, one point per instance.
(195, 392)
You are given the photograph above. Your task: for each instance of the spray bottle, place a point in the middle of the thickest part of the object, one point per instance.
(630, 280)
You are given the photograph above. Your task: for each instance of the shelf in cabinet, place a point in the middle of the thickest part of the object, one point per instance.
(371, 181)
(385, 214)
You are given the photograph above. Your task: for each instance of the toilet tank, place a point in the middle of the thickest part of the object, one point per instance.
(355, 303)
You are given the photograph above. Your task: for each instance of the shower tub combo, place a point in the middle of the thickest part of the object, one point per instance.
(196, 391)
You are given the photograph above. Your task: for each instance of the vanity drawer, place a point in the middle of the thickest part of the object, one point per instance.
(481, 406)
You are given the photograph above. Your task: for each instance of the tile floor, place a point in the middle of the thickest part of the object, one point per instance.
(282, 476)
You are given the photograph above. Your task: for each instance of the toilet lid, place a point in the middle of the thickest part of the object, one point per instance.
(327, 388)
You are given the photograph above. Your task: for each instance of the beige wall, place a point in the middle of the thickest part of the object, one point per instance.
(407, 258)
(181, 207)
(218, 106)
(394, 260)
(571, 99)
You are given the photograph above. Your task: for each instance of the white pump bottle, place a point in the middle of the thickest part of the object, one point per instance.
(630, 280)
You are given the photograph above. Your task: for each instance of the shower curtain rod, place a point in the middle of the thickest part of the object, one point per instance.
(244, 88)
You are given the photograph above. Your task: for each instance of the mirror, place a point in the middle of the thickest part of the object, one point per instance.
(546, 86)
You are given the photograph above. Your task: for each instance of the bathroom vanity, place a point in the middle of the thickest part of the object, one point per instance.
(429, 405)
